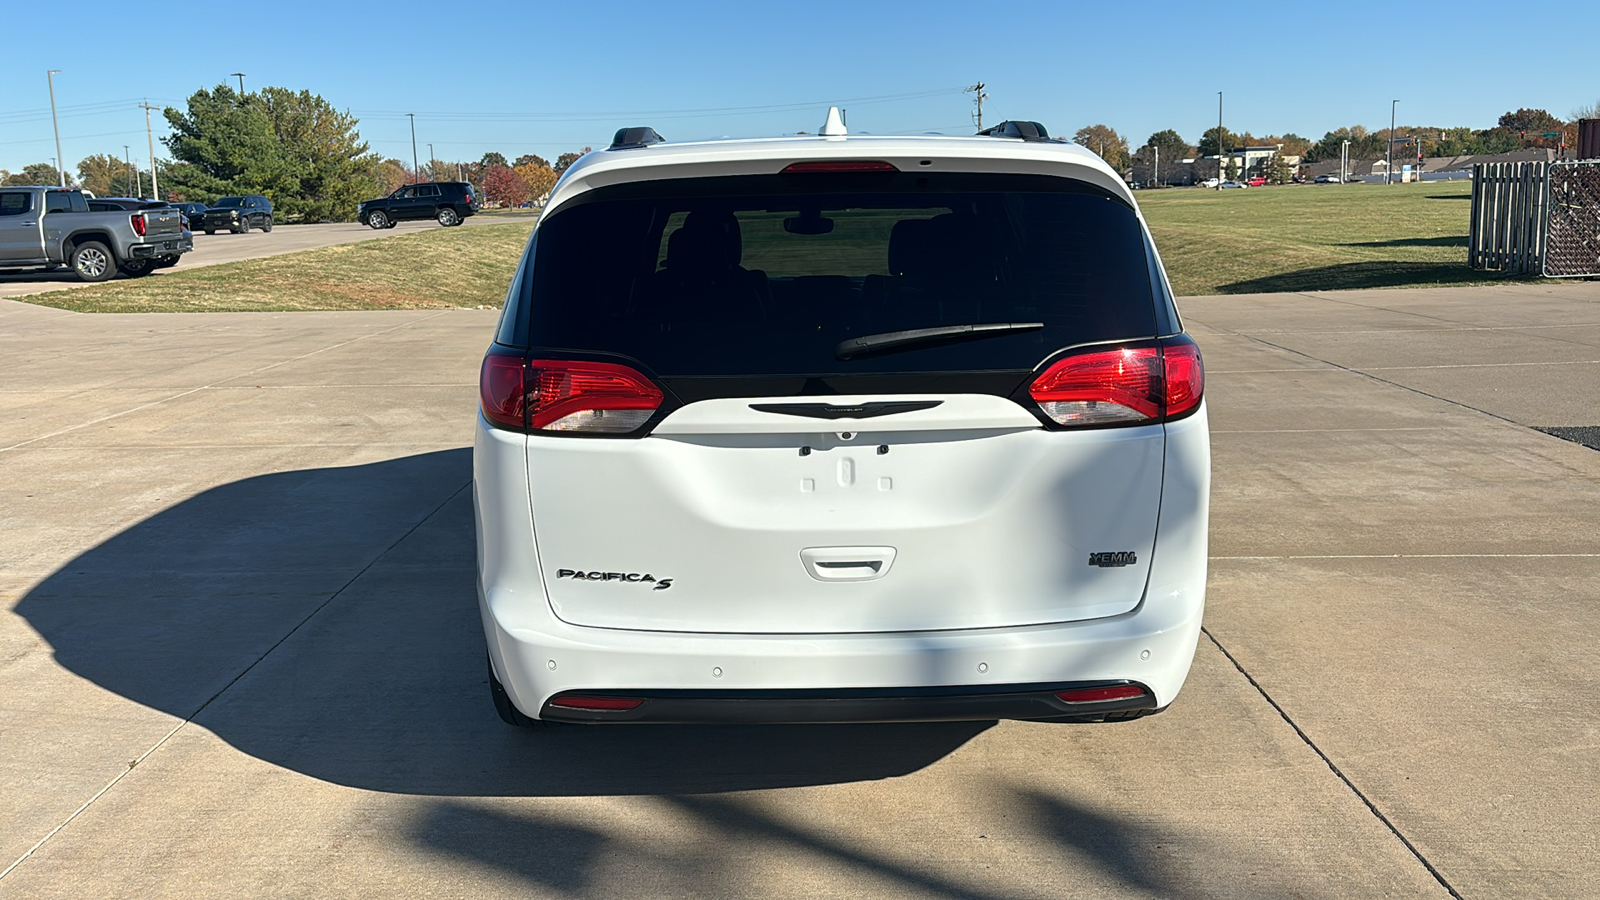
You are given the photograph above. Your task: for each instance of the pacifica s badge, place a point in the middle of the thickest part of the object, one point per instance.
(661, 584)
(1113, 559)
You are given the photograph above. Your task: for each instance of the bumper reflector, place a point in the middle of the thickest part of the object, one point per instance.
(1101, 694)
(605, 704)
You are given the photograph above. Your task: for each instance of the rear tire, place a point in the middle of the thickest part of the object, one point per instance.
(377, 219)
(508, 711)
(92, 261)
(137, 268)
(267, 225)
(448, 217)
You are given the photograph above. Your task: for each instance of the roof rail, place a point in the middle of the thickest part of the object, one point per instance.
(635, 138)
(1028, 131)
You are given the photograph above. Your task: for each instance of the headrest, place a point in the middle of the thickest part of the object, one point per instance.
(707, 241)
(908, 246)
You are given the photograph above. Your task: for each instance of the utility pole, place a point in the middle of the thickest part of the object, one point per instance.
(978, 97)
(240, 76)
(1388, 160)
(127, 157)
(61, 172)
(1344, 162)
(150, 135)
(1219, 140)
(433, 165)
(1157, 178)
(414, 173)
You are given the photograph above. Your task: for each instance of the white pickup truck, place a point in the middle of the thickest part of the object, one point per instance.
(50, 227)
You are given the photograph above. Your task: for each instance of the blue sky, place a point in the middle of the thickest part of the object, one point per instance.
(544, 78)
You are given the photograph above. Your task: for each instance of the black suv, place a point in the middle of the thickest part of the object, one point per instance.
(448, 201)
(238, 214)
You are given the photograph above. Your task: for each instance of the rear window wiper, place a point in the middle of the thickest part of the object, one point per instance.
(894, 340)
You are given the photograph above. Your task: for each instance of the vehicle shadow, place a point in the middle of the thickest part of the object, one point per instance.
(326, 621)
(1363, 275)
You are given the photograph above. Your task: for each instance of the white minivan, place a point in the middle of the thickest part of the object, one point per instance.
(840, 428)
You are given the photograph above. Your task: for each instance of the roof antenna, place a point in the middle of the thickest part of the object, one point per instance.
(834, 127)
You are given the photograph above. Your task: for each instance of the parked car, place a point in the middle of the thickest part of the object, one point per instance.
(1209, 183)
(1257, 181)
(840, 429)
(448, 201)
(50, 227)
(238, 214)
(138, 267)
(194, 212)
(1228, 185)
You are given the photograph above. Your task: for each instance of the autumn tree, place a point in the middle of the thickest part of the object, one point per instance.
(105, 175)
(502, 185)
(536, 174)
(1104, 141)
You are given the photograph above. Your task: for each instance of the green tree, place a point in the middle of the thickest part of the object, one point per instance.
(1363, 145)
(1104, 140)
(1209, 145)
(1233, 168)
(291, 146)
(565, 160)
(1279, 171)
(492, 158)
(1171, 144)
(36, 173)
(531, 159)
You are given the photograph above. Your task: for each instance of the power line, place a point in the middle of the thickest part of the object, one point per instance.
(706, 112)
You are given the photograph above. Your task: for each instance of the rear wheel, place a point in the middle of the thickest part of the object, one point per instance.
(448, 216)
(137, 268)
(92, 261)
(267, 225)
(508, 711)
(376, 219)
(166, 262)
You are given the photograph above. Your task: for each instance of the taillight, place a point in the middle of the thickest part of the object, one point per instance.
(502, 391)
(1102, 694)
(1124, 386)
(565, 395)
(138, 223)
(594, 397)
(596, 704)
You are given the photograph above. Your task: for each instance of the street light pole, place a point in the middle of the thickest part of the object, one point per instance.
(150, 135)
(1388, 163)
(1219, 140)
(414, 172)
(433, 163)
(61, 172)
(1344, 162)
(240, 76)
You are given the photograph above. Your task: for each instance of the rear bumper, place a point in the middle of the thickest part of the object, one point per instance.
(941, 675)
(1029, 702)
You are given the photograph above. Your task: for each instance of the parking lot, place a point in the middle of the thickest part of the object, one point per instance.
(223, 247)
(243, 656)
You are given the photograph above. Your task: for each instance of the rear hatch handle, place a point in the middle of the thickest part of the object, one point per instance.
(847, 563)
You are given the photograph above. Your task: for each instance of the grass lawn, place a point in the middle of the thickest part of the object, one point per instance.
(1313, 237)
(1292, 238)
(434, 269)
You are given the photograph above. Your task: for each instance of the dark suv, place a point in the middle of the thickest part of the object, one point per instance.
(448, 201)
(238, 214)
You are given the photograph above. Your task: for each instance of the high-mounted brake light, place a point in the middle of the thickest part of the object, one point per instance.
(1124, 386)
(138, 223)
(1101, 694)
(840, 165)
(596, 704)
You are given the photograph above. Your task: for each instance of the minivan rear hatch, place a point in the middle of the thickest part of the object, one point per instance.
(791, 485)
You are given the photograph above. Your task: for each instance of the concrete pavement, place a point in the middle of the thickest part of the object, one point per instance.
(243, 656)
(223, 247)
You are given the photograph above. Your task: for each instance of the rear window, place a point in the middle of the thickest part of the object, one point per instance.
(765, 275)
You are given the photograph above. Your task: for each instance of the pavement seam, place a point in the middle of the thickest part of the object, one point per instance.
(233, 681)
(181, 394)
(1339, 773)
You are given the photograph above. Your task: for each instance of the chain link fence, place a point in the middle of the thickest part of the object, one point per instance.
(1572, 234)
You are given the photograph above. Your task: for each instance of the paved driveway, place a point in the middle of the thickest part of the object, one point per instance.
(210, 249)
(243, 657)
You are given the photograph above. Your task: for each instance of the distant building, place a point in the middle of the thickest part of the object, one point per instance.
(1251, 161)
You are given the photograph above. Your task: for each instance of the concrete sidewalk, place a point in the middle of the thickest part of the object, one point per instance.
(243, 657)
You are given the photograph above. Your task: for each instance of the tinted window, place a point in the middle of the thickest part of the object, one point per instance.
(427, 190)
(765, 275)
(61, 201)
(227, 202)
(16, 203)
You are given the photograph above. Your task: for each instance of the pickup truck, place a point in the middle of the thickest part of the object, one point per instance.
(50, 227)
